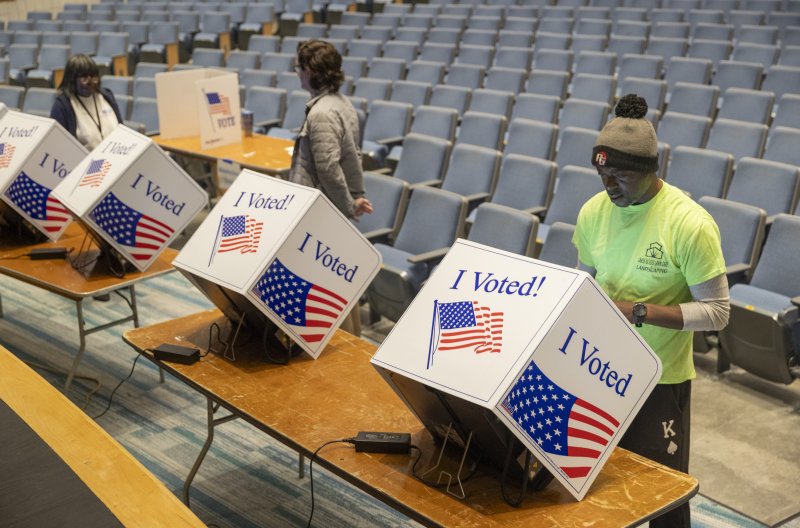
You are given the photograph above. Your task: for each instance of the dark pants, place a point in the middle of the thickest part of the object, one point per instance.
(660, 432)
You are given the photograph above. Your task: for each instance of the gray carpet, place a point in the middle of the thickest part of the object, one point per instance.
(248, 480)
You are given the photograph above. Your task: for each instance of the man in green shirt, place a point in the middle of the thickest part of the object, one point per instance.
(657, 254)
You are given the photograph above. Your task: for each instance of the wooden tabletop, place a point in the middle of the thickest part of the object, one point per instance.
(258, 152)
(58, 275)
(125, 487)
(307, 403)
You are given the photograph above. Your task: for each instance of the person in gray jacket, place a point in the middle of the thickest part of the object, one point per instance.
(327, 153)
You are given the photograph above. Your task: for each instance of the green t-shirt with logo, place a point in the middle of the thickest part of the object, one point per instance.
(651, 253)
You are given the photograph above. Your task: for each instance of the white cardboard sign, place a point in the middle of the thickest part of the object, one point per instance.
(36, 154)
(289, 251)
(220, 111)
(133, 195)
(539, 345)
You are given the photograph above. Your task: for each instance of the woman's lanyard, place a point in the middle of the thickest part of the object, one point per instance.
(97, 123)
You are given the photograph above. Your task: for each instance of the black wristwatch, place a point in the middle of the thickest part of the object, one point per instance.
(639, 313)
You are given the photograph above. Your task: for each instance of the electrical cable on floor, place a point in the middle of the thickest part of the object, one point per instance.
(311, 470)
(111, 396)
(64, 373)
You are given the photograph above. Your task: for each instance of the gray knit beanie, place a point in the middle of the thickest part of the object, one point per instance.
(629, 140)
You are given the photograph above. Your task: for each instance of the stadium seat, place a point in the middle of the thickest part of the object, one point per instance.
(389, 197)
(700, 172)
(764, 313)
(433, 221)
(504, 228)
(770, 185)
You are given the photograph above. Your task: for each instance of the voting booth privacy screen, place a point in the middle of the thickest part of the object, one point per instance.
(202, 102)
(36, 155)
(497, 343)
(285, 250)
(132, 195)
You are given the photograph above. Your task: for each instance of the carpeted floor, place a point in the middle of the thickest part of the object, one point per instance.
(744, 445)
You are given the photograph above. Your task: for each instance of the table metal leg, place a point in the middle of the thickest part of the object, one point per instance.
(83, 331)
(134, 309)
(82, 349)
(301, 466)
(212, 423)
(1, 306)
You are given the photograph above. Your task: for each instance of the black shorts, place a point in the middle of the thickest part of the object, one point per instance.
(660, 432)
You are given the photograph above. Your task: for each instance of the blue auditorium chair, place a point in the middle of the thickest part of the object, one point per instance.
(558, 248)
(39, 101)
(455, 97)
(537, 107)
(574, 144)
(734, 74)
(268, 106)
(764, 313)
(51, 58)
(739, 138)
(491, 101)
(465, 75)
(531, 138)
(700, 172)
(770, 185)
(753, 106)
(694, 99)
(433, 221)
(504, 228)
(472, 172)
(575, 185)
(412, 92)
(389, 197)
(524, 183)
(482, 129)
(387, 124)
(424, 160)
(782, 145)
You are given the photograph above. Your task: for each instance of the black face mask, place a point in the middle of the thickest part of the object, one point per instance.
(86, 89)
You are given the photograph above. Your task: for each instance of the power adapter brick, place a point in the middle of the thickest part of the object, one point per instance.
(176, 353)
(48, 253)
(375, 442)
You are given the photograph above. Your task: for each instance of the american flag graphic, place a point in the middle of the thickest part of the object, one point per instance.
(142, 234)
(572, 431)
(34, 198)
(6, 153)
(240, 233)
(218, 104)
(308, 308)
(95, 173)
(464, 325)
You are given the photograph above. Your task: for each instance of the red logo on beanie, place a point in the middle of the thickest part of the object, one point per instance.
(601, 158)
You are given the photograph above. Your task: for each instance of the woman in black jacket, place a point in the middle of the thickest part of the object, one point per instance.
(85, 109)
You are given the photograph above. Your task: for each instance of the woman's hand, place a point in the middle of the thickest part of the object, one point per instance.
(361, 205)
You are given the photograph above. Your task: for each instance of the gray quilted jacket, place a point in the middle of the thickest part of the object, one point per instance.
(327, 155)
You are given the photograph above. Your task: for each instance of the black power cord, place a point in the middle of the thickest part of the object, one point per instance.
(111, 396)
(351, 440)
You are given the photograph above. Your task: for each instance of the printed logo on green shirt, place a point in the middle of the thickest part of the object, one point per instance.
(653, 260)
(654, 250)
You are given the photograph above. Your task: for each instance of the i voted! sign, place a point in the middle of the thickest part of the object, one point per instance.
(132, 195)
(539, 345)
(36, 155)
(286, 248)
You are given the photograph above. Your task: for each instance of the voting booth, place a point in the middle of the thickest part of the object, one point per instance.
(131, 196)
(279, 250)
(36, 155)
(497, 344)
(202, 102)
